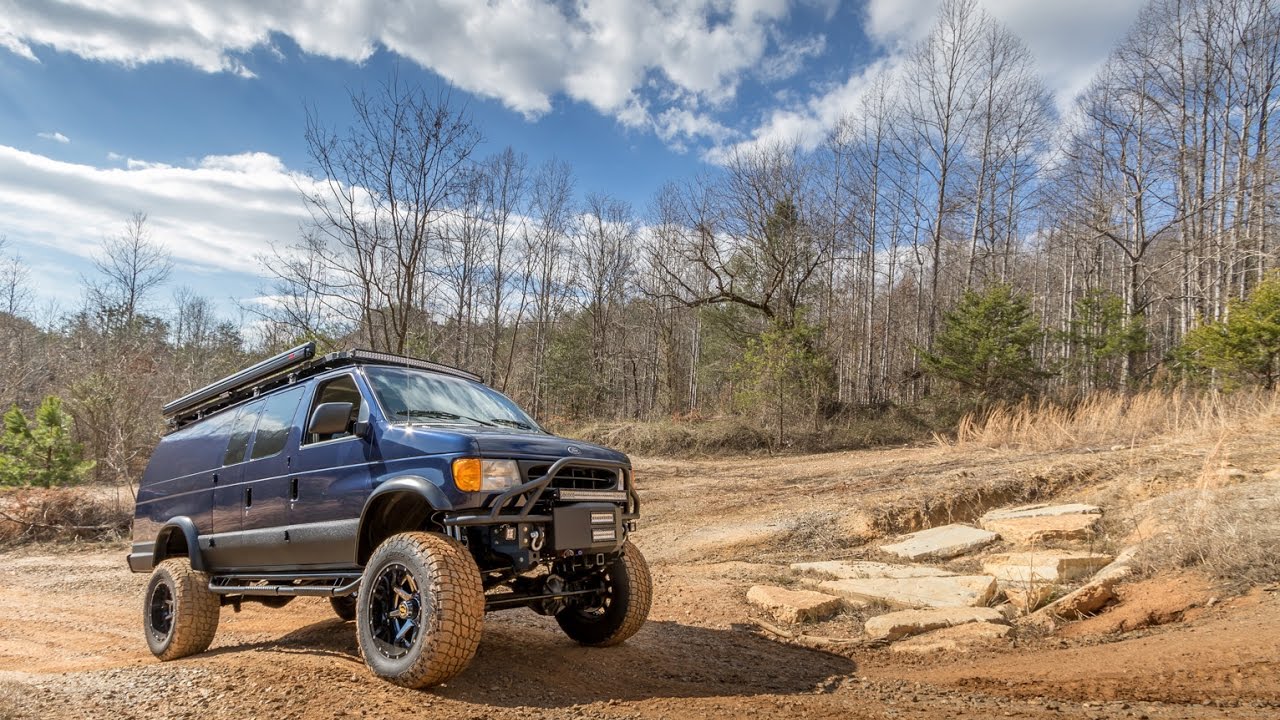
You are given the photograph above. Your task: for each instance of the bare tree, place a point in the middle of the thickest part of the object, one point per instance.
(380, 200)
(130, 267)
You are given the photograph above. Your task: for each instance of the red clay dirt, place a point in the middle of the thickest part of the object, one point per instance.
(71, 643)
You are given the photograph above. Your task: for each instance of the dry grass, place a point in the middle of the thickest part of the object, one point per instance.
(815, 531)
(60, 514)
(1109, 419)
(1230, 533)
(741, 435)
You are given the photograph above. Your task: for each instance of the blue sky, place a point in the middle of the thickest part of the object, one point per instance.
(193, 110)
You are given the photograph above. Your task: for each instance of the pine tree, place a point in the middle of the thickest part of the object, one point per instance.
(785, 373)
(985, 346)
(1100, 335)
(1245, 347)
(42, 452)
(13, 444)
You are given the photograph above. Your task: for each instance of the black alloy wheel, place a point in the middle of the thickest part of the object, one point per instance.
(160, 612)
(396, 610)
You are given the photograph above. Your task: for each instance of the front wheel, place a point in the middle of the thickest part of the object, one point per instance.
(420, 609)
(620, 608)
(179, 613)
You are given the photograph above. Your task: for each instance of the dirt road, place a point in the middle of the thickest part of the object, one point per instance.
(71, 645)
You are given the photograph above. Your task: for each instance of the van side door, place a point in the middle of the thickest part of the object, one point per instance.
(226, 545)
(266, 481)
(332, 478)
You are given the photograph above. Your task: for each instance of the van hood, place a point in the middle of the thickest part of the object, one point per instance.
(501, 442)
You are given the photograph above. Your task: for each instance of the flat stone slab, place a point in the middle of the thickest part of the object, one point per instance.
(1041, 510)
(961, 638)
(794, 606)
(1043, 566)
(1040, 529)
(856, 569)
(922, 592)
(941, 543)
(1026, 597)
(903, 623)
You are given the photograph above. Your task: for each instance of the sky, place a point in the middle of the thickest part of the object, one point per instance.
(193, 111)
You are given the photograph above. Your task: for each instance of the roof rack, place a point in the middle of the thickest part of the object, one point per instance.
(334, 359)
(288, 366)
(236, 381)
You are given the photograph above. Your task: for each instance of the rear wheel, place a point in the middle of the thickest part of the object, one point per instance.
(344, 607)
(420, 609)
(620, 608)
(179, 614)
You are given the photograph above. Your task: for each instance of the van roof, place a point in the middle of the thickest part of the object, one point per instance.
(285, 368)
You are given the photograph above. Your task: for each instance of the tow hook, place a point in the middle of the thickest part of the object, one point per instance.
(536, 540)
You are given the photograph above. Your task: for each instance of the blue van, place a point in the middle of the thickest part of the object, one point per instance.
(410, 494)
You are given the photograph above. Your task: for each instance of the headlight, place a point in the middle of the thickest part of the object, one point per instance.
(477, 475)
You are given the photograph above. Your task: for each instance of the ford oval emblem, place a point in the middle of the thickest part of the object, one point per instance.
(573, 450)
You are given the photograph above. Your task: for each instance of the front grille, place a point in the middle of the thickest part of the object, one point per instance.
(576, 478)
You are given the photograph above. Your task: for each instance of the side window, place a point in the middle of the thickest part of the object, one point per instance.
(340, 389)
(275, 424)
(241, 430)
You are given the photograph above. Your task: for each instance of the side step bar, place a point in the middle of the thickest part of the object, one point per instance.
(322, 586)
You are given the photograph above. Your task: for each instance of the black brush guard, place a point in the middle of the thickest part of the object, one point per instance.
(507, 508)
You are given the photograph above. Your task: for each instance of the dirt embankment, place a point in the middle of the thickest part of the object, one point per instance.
(71, 645)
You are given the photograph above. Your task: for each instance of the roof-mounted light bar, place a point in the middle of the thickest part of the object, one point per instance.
(391, 359)
(246, 377)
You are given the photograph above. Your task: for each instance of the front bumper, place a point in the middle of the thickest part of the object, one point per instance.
(533, 517)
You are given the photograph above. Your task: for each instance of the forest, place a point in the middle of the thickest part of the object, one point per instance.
(957, 241)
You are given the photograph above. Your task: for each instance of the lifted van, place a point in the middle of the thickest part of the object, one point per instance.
(409, 494)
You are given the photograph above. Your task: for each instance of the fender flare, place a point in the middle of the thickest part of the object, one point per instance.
(185, 526)
(407, 484)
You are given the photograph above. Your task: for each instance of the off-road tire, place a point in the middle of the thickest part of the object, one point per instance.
(193, 620)
(452, 609)
(630, 598)
(344, 607)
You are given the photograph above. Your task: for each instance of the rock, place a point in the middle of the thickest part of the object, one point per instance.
(941, 543)
(1090, 597)
(1040, 529)
(1042, 510)
(1043, 566)
(853, 569)
(1273, 475)
(961, 638)
(1026, 598)
(793, 606)
(924, 592)
(897, 625)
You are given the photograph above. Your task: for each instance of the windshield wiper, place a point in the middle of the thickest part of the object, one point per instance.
(443, 415)
(512, 423)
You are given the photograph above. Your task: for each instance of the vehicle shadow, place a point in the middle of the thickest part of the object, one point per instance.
(526, 661)
(533, 664)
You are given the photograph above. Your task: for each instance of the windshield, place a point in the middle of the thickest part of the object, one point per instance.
(414, 395)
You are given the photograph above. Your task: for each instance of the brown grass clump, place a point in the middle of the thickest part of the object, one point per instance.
(1230, 533)
(60, 514)
(1106, 419)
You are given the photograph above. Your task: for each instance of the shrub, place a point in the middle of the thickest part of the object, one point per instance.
(985, 346)
(57, 514)
(40, 452)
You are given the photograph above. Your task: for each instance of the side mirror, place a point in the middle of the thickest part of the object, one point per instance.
(330, 418)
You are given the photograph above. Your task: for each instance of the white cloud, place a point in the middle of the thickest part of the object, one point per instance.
(216, 215)
(1070, 41)
(602, 52)
(54, 136)
(791, 57)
